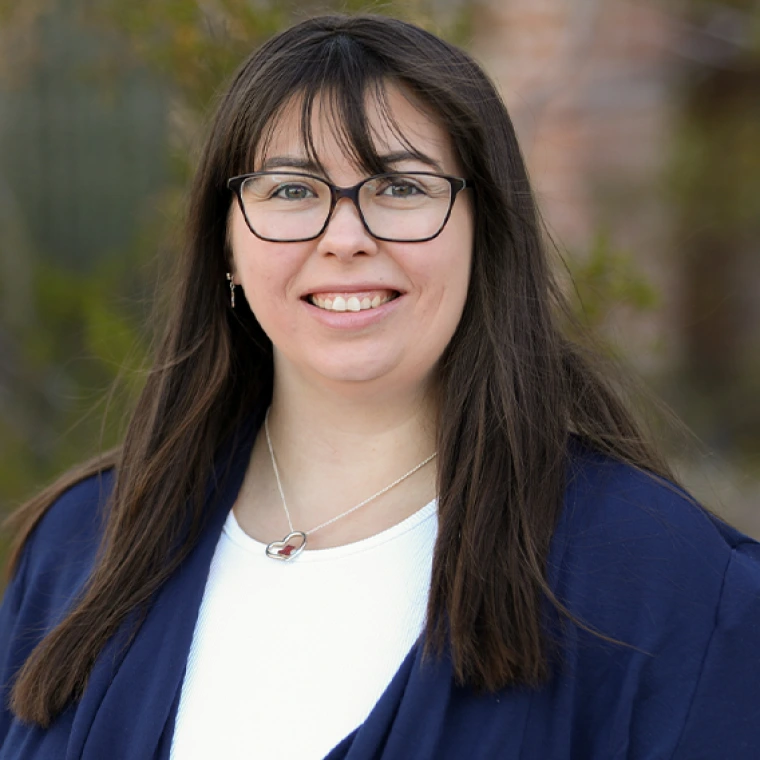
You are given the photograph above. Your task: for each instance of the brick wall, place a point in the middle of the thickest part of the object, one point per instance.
(589, 85)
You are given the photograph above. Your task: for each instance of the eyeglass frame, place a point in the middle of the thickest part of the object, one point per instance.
(352, 193)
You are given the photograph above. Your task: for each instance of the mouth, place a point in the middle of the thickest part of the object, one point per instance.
(357, 301)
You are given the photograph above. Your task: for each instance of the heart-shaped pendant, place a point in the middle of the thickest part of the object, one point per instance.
(289, 548)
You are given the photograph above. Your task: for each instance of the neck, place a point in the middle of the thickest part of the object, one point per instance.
(348, 431)
(335, 450)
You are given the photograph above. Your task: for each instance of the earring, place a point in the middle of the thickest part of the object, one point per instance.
(232, 290)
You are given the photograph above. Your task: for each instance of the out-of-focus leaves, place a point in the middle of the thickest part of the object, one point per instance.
(193, 46)
(607, 280)
(196, 45)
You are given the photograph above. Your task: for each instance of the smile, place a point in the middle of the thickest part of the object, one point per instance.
(352, 301)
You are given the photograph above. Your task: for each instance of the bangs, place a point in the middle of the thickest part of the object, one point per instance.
(337, 92)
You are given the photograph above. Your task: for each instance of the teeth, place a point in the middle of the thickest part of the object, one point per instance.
(352, 303)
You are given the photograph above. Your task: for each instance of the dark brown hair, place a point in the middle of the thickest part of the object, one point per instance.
(512, 387)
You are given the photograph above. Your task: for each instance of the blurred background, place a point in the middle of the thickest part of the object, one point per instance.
(640, 122)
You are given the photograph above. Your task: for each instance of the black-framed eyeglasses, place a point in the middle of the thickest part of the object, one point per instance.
(401, 207)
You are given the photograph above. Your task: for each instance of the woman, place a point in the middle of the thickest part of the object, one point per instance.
(372, 503)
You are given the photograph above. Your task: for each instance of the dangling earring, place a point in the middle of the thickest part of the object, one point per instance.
(232, 290)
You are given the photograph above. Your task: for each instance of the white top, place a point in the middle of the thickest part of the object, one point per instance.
(288, 658)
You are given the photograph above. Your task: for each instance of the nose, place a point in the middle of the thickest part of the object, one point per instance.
(345, 235)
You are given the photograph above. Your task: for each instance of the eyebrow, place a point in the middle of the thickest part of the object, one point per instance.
(298, 162)
(292, 162)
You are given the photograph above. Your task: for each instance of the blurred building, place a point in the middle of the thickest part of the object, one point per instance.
(590, 86)
(642, 119)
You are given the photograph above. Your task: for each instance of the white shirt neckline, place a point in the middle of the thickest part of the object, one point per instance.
(240, 538)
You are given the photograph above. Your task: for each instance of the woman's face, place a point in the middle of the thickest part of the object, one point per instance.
(395, 345)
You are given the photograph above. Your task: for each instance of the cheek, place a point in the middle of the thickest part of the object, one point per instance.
(265, 270)
(452, 264)
(444, 283)
(457, 283)
(266, 285)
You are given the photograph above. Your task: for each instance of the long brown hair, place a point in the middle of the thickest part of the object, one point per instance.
(513, 388)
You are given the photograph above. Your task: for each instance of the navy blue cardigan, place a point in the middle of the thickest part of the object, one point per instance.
(632, 558)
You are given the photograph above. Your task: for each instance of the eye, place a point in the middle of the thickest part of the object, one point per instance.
(293, 192)
(401, 187)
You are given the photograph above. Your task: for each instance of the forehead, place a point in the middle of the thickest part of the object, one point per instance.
(393, 122)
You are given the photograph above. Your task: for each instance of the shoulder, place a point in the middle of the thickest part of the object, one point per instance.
(608, 499)
(665, 601)
(60, 551)
(630, 546)
(75, 519)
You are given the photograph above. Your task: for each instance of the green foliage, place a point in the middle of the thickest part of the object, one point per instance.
(191, 47)
(196, 46)
(83, 336)
(605, 281)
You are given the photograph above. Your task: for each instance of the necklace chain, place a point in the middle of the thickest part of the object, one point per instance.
(348, 511)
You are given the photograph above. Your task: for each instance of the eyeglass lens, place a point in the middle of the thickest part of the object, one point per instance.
(288, 207)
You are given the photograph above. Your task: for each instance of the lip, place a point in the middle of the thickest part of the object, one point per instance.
(356, 287)
(352, 320)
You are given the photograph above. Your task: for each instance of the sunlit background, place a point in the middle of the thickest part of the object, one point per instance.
(640, 122)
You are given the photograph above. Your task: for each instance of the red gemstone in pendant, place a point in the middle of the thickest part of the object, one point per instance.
(289, 548)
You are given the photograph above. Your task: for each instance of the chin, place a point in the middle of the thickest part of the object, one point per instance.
(358, 376)
(355, 375)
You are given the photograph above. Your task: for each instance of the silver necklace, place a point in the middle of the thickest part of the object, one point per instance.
(295, 542)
